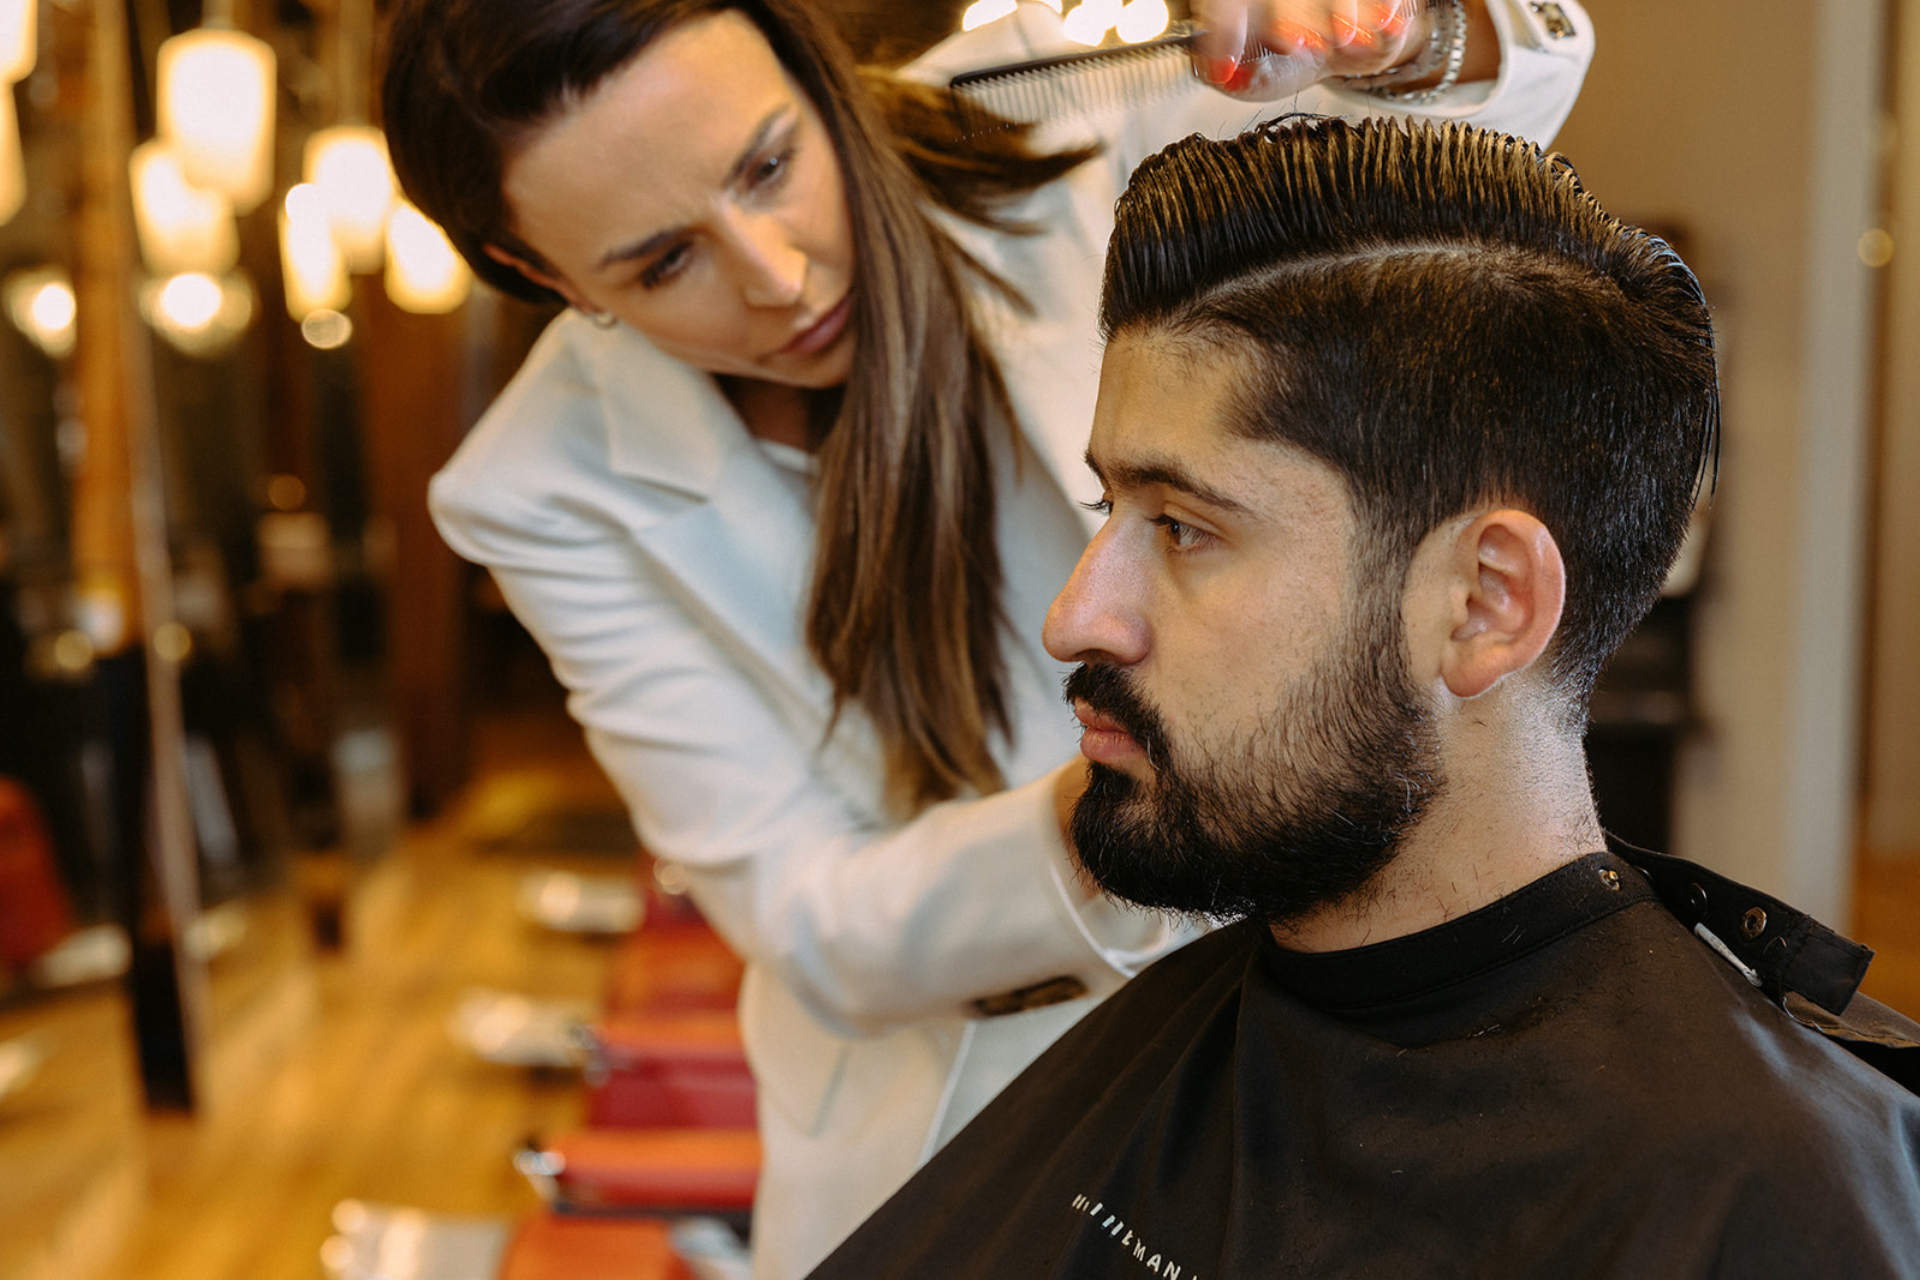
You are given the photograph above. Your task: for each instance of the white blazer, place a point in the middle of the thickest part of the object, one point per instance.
(660, 555)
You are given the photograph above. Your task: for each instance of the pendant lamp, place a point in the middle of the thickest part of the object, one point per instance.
(1090, 21)
(41, 305)
(13, 164)
(182, 228)
(981, 12)
(217, 108)
(19, 38)
(315, 275)
(198, 313)
(424, 272)
(348, 165)
(1142, 20)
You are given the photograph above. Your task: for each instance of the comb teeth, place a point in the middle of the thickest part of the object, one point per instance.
(1030, 93)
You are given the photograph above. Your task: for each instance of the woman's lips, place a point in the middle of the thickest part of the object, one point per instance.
(820, 335)
(1102, 740)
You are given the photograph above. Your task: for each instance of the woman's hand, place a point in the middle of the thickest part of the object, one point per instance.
(1069, 783)
(1304, 41)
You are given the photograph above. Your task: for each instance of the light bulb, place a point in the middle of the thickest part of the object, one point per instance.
(42, 306)
(197, 313)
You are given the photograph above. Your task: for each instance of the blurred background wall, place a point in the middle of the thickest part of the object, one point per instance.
(1893, 705)
(1767, 135)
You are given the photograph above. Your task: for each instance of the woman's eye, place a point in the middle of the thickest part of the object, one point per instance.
(665, 267)
(770, 169)
(1099, 506)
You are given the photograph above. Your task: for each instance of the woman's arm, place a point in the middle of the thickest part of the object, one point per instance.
(1522, 73)
(1331, 38)
(1538, 65)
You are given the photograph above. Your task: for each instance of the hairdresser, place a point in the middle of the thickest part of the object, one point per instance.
(784, 494)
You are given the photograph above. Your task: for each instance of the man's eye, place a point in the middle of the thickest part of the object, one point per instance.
(1182, 537)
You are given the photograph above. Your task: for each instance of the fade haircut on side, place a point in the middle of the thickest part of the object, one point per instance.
(1445, 317)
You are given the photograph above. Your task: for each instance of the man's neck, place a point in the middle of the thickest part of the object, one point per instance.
(1506, 818)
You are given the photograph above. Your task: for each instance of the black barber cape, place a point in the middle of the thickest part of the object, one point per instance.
(1565, 1083)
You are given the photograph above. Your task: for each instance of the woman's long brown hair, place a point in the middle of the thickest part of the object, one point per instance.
(905, 611)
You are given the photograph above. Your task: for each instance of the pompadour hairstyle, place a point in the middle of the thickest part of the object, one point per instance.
(1445, 317)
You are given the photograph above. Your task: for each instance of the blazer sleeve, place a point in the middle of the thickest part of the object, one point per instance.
(871, 925)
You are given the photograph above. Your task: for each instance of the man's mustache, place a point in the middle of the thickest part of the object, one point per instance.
(1109, 691)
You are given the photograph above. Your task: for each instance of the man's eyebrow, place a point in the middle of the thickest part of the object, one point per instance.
(1165, 472)
(659, 240)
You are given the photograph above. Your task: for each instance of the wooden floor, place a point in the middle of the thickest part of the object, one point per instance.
(336, 1078)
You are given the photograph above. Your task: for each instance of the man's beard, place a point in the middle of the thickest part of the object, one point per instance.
(1306, 811)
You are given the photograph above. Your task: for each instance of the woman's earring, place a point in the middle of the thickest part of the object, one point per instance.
(599, 319)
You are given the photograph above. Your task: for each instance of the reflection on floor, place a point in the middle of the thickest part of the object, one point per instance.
(338, 1078)
(330, 1078)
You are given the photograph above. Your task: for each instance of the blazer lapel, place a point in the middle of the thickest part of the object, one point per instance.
(667, 423)
(733, 533)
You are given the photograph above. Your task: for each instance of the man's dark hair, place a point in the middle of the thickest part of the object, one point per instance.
(1445, 317)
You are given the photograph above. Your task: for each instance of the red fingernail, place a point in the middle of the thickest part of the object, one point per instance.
(1222, 70)
(1302, 37)
(1241, 77)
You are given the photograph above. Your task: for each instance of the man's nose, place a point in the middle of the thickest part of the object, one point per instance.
(774, 268)
(1096, 617)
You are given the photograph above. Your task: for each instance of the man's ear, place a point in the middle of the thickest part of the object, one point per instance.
(545, 279)
(1506, 586)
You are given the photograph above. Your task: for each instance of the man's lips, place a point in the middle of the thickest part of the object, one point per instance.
(1102, 739)
(820, 334)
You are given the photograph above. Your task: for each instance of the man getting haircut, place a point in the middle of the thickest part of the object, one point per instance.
(1399, 434)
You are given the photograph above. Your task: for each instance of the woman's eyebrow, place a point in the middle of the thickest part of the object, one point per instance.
(659, 240)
